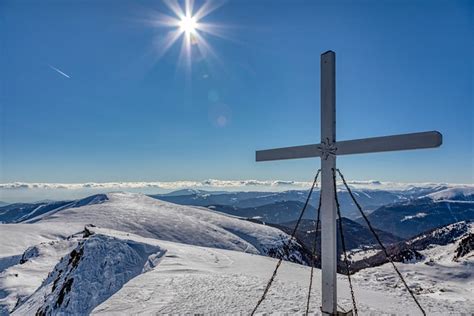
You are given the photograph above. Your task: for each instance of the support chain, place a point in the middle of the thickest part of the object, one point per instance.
(286, 247)
(343, 243)
(313, 255)
(380, 243)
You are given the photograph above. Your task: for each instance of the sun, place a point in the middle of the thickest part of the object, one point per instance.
(188, 24)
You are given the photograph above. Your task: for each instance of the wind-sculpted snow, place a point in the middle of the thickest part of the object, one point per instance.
(93, 271)
(149, 217)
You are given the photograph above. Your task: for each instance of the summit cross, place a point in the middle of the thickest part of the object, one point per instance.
(327, 150)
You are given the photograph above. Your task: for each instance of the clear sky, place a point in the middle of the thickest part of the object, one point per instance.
(87, 94)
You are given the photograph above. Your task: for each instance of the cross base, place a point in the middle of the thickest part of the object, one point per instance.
(340, 313)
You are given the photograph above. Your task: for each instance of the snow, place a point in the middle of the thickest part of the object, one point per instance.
(437, 276)
(98, 267)
(19, 281)
(360, 254)
(153, 257)
(186, 279)
(16, 238)
(456, 193)
(417, 215)
(148, 217)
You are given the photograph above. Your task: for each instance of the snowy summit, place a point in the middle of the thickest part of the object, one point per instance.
(128, 253)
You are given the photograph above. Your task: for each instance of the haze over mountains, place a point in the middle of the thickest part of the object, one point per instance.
(131, 253)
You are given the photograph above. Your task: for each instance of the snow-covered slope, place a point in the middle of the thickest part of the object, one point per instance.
(148, 217)
(23, 274)
(173, 278)
(440, 274)
(141, 255)
(129, 213)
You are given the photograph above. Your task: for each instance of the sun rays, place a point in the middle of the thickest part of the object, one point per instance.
(187, 25)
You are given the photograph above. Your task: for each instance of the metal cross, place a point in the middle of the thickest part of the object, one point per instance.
(327, 150)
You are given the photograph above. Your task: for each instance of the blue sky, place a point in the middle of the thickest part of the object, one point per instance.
(126, 115)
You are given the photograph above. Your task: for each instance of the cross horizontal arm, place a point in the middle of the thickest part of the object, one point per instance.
(390, 143)
(305, 151)
(357, 146)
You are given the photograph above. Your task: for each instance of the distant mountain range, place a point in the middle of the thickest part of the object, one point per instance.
(403, 213)
(410, 218)
(232, 202)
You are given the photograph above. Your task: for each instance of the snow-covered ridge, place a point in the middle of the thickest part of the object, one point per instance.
(463, 193)
(148, 217)
(443, 236)
(92, 272)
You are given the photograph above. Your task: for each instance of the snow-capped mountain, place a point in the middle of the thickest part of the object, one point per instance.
(148, 217)
(410, 218)
(462, 193)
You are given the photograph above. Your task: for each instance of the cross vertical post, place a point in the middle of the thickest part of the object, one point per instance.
(327, 151)
(328, 204)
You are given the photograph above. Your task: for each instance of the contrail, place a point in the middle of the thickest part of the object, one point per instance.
(59, 71)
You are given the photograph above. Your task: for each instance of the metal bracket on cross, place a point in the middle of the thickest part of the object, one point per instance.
(327, 149)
